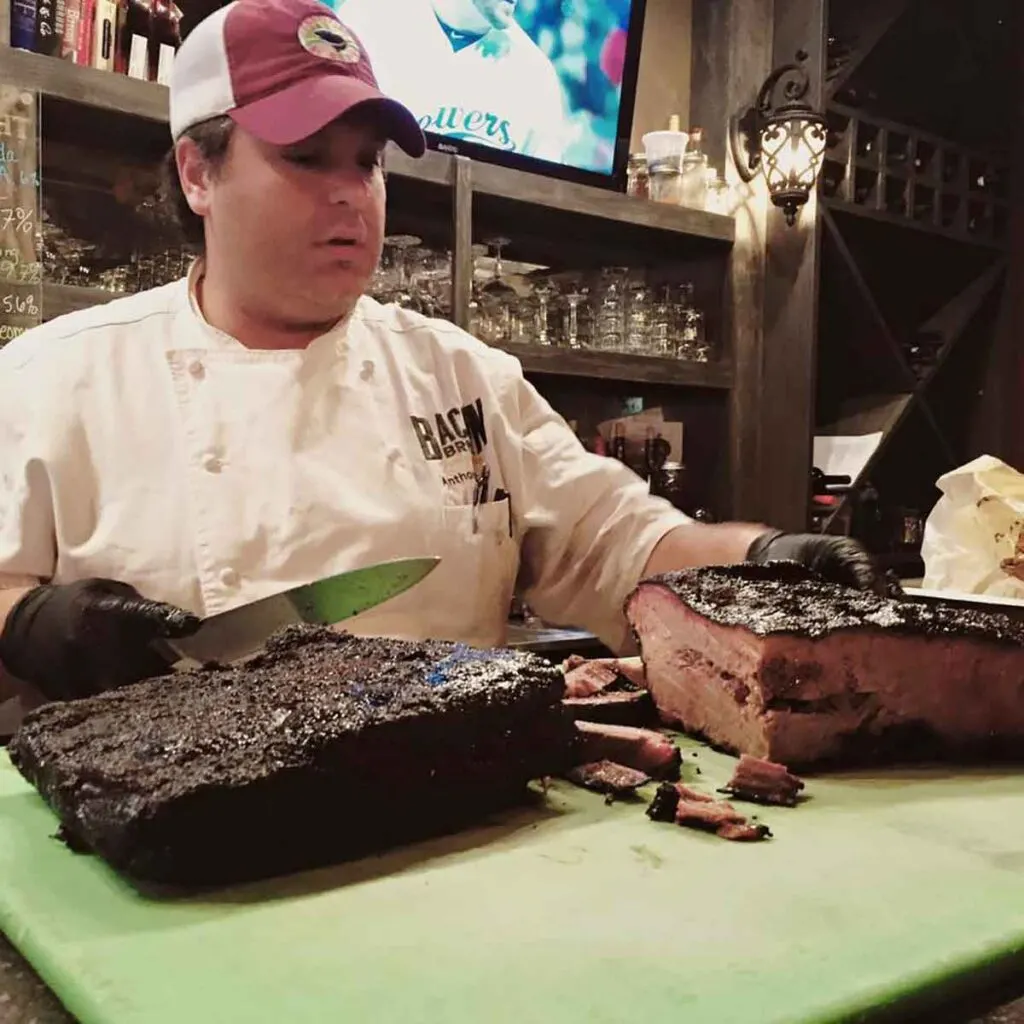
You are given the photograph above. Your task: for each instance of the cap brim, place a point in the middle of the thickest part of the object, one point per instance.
(301, 110)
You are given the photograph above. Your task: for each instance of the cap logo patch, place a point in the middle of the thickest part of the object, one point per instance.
(326, 37)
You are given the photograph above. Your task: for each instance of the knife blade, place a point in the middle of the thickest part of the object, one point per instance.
(241, 631)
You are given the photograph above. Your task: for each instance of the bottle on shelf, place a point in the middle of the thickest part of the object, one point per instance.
(618, 446)
(656, 453)
(164, 40)
(694, 171)
(134, 27)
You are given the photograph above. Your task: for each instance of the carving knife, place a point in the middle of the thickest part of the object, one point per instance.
(242, 631)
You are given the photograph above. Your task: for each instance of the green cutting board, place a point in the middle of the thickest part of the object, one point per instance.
(874, 890)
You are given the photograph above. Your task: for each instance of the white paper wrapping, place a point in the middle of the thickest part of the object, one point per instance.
(974, 537)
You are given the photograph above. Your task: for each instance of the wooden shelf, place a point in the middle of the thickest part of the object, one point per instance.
(882, 217)
(897, 174)
(122, 95)
(59, 299)
(89, 86)
(620, 366)
(564, 198)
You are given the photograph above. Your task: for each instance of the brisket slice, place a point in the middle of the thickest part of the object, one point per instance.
(774, 662)
(691, 809)
(645, 750)
(763, 782)
(322, 747)
(587, 677)
(609, 778)
(630, 707)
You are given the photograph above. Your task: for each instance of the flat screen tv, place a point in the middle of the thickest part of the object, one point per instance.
(541, 85)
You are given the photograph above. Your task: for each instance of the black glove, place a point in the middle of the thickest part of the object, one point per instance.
(838, 559)
(81, 638)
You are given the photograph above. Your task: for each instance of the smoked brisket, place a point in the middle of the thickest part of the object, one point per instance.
(323, 747)
(774, 662)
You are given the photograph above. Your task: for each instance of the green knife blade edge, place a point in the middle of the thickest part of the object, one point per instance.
(333, 600)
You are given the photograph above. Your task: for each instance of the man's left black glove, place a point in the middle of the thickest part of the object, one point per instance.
(78, 639)
(838, 559)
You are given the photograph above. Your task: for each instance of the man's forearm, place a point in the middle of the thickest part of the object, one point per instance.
(9, 597)
(701, 544)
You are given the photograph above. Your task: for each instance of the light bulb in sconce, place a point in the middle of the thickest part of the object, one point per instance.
(783, 137)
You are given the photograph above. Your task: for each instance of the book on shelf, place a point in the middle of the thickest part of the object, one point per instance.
(137, 38)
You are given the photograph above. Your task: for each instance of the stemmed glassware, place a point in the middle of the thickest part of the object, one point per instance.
(575, 294)
(614, 309)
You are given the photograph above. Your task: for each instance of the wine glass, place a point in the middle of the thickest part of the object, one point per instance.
(542, 291)
(497, 284)
(574, 297)
(401, 244)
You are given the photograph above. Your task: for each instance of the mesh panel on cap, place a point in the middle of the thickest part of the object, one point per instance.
(200, 79)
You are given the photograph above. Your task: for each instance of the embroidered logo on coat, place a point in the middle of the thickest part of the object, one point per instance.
(460, 430)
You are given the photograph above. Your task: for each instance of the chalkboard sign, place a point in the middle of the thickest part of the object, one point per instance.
(20, 277)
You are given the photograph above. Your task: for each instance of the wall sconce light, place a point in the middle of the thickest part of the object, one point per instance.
(786, 140)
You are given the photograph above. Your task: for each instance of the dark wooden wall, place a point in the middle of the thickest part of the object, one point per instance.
(773, 279)
(998, 428)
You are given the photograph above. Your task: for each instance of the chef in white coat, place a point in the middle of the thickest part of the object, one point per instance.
(263, 423)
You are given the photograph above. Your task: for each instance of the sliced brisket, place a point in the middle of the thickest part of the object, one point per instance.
(696, 810)
(763, 782)
(588, 677)
(631, 707)
(607, 777)
(323, 747)
(644, 749)
(774, 662)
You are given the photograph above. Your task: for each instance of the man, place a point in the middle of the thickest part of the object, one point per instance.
(467, 70)
(262, 424)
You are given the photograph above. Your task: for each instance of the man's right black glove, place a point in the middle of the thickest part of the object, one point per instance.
(78, 639)
(838, 559)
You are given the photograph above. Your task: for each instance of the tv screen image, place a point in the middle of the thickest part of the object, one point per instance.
(516, 81)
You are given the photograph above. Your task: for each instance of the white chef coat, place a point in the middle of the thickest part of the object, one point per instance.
(500, 91)
(141, 444)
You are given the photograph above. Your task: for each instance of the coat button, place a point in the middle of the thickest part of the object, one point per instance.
(229, 577)
(197, 369)
(211, 463)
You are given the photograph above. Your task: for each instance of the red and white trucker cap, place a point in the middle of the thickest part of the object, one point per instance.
(282, 69)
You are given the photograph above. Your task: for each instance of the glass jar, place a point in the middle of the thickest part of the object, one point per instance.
(717, 197)
(637, 178)
(695, 171)
(610, 312)
(666, 184)
(638, 318)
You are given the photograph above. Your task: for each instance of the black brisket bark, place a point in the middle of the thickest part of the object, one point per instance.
(784, 597)
(324, 747)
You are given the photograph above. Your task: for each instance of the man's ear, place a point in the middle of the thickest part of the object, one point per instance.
(195, 176)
